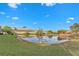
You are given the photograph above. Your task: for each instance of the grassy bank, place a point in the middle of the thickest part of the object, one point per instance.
(73, 47)
(9, 45)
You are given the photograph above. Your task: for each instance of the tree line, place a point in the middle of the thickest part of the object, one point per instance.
(50, 33)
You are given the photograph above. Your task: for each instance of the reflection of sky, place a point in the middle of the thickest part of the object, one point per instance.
(52, 40)
(46, 16)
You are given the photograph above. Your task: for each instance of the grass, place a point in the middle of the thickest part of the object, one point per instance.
(73, 47)
(10, 46)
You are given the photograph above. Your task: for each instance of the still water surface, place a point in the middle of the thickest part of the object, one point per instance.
(53, 40)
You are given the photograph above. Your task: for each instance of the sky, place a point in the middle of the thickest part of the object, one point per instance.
(48, 16)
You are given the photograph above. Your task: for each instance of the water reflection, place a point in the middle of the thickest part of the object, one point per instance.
(53, 40)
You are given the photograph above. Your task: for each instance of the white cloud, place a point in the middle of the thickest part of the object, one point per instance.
(48, 4)
(13, 5)
(2, 13)
(71, 18)
(68, 21)
(15, 18)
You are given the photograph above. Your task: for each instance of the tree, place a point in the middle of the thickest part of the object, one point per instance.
(50, 33)
(61, 31)
(75, 30)
(74, 27)
(15, 28)
(27, 34)
(39, 34)
(7, 29)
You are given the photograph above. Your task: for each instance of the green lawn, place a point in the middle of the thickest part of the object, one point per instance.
(10, 46)
(73, 47)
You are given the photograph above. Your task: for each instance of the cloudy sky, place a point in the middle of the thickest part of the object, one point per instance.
(49, 16)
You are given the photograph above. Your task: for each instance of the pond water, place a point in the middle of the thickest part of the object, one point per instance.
(53, 40)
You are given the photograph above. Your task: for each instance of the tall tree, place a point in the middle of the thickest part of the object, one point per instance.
(75, 27)
(39, 34)
(75, 30)
(7, 29)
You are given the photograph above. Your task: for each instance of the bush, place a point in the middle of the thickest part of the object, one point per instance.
(7, 29)
(27, 34)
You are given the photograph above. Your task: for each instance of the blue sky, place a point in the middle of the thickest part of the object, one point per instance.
(49, 16)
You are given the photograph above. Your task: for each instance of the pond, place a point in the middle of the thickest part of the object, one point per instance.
(53, 40)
